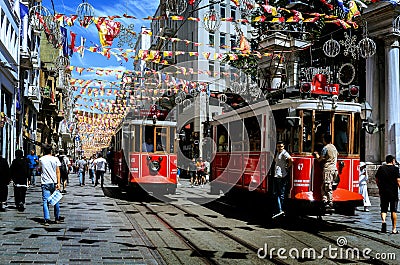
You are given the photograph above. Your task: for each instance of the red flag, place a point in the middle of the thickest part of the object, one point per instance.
(72, 45)
(108, 30)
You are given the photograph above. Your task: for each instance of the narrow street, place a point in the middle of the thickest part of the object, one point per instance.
(117, 228)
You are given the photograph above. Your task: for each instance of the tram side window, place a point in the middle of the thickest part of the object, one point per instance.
(137, 136)
(252, 125)
(341, 133)
(307, 131)
(222, 136)
(172, 140)
(236, 136)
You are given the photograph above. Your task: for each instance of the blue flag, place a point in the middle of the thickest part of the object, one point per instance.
(23, 11)
(63, 31)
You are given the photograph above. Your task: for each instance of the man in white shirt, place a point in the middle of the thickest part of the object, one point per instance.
(283, 161)
(50, 180)
(100, 165)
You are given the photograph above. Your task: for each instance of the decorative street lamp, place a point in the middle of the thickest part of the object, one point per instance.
(396, 25)
(39, 17)
(366, 111)
(85, 13)
(211, 20)
(176, 7)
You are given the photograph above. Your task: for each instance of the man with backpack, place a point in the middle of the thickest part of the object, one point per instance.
(63, 170)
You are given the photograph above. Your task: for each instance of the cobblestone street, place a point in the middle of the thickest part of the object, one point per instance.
(94, 231)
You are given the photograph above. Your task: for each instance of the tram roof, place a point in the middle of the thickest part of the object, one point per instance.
(150, 123)
(263, 107)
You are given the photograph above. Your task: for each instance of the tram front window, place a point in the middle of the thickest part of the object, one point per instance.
(161, 139)
(341, 133)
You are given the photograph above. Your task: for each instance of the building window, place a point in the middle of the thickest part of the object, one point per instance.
(222, 11)
(233, 12)
(211, 39)
(211, 67)
(222, 41)
(233, 41)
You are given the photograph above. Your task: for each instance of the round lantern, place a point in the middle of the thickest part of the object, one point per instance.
(176, 7)
(39, 16)
(331, 48)
(85, 12)
(211, 20)
(367, 47)
(61, 62)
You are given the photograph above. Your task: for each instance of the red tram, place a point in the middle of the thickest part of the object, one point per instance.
(145, 155)
(243, 156)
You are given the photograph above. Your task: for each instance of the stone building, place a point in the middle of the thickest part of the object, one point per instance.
(383, 81)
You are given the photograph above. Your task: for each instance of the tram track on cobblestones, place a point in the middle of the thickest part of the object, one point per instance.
(189, 243)
(183, 223)
(192, 244)
(325, 237)
(351, 231)
(343, 228)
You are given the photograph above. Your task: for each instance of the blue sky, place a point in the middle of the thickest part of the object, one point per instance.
(103, 8)
(137, 8)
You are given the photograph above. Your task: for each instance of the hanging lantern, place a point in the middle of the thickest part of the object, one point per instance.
(85, 12)
(176, 7)
(396, 24)
(367, 47)
(61, 62)
(211, 21)
(331, 48)
(39, 16)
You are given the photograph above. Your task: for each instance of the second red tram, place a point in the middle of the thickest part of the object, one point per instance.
(246, 140)
(145, 155)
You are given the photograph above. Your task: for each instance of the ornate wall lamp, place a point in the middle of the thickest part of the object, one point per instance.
(367, 124)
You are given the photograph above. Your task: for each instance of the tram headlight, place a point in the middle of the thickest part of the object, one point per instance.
(354, 91)
(305, 89)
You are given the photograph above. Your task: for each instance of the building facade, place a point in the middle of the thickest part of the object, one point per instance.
(10, 93)
(383, 81)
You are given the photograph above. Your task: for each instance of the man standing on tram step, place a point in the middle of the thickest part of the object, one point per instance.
(81, 164)
(328, 158)
(51, 181)
(388, 181)
(20, 173)
(5, 179)
(283, 161)
(33, 160)
(100, 165)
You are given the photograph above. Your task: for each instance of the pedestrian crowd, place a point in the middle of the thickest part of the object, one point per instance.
(53, 170)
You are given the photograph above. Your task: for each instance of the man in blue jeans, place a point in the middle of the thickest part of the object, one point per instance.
(33, 160)
(50, 179)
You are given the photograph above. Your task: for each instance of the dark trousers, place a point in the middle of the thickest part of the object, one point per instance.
(19, 195)
(279, 186)
(99, 175)
(3, 192)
